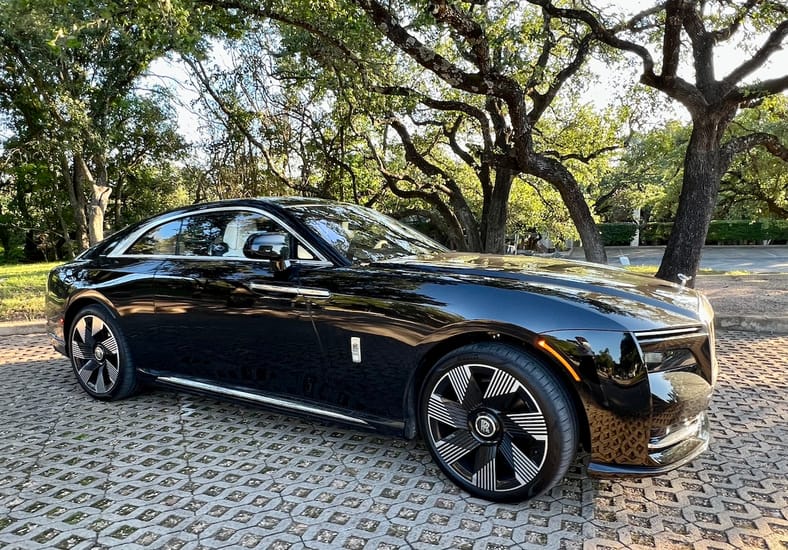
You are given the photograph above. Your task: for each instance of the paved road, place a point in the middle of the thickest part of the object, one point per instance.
(755, 259)
(167, 470)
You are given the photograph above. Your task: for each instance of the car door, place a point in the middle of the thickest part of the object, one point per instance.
(371, 323)
(227, 319)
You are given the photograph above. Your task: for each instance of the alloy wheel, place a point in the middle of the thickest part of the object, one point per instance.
(487, 428)
(95, 355)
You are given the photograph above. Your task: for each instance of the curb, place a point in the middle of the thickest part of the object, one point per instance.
(13, 328)
(752, 323)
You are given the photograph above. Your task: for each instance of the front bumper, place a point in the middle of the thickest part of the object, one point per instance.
(645, 396)
(675, 456)
(55, 334)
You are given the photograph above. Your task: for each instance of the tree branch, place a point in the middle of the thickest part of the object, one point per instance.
(426, 56)
(543, 101)
(202, 77)
(451, 135)
(671, 42)
(468, 29)
(741, 144)
(544, 56)
(725, 33)
(675, 87)
(772, 44)
(265, 12)
(413, 156)
(442, 105)
(585, 159)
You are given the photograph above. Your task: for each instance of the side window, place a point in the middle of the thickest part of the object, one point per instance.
(161, 240)
(245, 224)
(201, 235)
(212, 234)
(242, 226)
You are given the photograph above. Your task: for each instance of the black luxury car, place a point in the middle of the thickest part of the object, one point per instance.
(504, 365)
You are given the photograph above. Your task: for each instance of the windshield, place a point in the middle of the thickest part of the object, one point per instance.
(363, 235)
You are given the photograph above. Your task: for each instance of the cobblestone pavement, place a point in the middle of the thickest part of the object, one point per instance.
(168, 470)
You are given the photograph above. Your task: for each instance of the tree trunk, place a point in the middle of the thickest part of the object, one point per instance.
(98, 206)
(452, 225)
(495, 212)
(5, 238)
(471, 236)
(700, 185)
(72, 180)
(69, 244)
(117, 205)
(99, 201)
(553, 172)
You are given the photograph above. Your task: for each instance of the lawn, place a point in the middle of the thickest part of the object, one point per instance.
(22, 289)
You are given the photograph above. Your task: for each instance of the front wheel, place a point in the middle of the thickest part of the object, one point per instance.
(99, 355)
(498, 422)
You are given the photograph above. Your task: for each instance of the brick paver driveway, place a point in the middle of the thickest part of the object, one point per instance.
(172, 470)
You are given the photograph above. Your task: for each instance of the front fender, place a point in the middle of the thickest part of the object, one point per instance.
(614, 391)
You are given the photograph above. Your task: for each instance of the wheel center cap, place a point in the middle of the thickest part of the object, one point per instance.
(485, 425)
(98, 353)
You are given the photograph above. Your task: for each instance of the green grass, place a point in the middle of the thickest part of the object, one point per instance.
(642, 269)
(652, 270)
(22, 291)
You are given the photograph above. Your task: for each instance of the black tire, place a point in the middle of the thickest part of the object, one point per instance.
(498, 422)
(99, 355)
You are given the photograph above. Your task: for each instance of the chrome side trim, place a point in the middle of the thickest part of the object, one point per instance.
(274, 401)
(182, 257)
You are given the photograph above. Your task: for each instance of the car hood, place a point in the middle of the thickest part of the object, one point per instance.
(609, 289)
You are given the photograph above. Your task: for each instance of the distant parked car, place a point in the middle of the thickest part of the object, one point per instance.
(504, 365)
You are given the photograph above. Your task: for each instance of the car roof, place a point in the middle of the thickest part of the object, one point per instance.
(282, 202)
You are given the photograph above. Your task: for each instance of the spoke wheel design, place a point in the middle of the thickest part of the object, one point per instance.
(487, 427)
(94, 351)
(99, 355)
(498, 422)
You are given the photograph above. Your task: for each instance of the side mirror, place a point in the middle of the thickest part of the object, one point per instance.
(269, 246)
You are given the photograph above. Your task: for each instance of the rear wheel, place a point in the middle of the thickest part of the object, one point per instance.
(99, 355)
(498, 422)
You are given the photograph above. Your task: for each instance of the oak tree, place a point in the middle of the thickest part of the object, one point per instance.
(688, 35)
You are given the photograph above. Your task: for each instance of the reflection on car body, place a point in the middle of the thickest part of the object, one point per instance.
(505, 365)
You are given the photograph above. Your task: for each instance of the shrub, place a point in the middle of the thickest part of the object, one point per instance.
(724, 232)
(617, 234)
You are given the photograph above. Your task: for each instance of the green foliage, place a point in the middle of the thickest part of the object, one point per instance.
(649, 173)
(738, 231)
(756, 184)
(724, 232)
(536, 206)
(647, 176)
(68, 91)
(617, 234)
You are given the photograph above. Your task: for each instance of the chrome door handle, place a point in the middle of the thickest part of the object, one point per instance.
(305, 292)
(274, 288)
(314, 293)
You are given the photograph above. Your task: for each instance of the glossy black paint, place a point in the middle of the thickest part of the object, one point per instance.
(246, 324)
